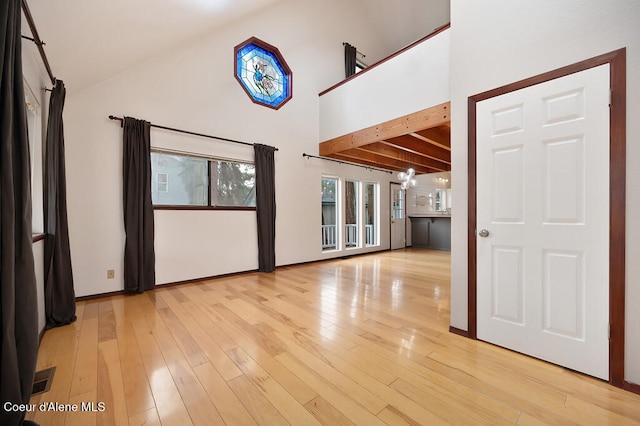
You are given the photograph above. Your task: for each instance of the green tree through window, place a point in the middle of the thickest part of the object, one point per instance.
(184, 180)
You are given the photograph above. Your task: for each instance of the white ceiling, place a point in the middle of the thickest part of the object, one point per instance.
(401, 22)
(87, 41)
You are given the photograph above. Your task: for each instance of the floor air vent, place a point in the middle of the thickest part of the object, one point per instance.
(42, 380)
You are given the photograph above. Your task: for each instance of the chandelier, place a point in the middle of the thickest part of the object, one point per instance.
(407, 178)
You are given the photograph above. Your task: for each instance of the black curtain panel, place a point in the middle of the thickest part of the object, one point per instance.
(349, 60)
(18, 303)
(266, 206)
(139, 253)
(59, 296)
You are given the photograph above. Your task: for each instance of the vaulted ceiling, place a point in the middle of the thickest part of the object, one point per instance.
(90, 41)
(420, 140)
(84, 49)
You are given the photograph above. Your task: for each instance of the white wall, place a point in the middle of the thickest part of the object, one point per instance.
(496, 42)
(194, 88)
(411, 81)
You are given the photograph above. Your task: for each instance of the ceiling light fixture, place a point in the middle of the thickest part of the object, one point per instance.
(407, 178)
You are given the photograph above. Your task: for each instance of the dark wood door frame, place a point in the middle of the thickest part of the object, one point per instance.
(617, 181)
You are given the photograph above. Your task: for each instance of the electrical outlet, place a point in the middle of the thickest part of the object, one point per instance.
(111, 273)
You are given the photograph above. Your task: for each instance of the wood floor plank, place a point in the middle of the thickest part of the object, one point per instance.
(168, 402)
(137, 391)
(381, 390)
(91, 309)
(337, 346)
(447, 407)
(392, 416)
(189, 346)
(110, 386)
(599, 393)
(85, 377)
(266, 343)
(81, 417)
(232, 411)
(318, 363)
(298, 389)
(200, 408)
(447, 378)
(106, 321)
(360, 340)
(326, 413)
(337, 396)
(145, 418)
(213, 353)
(256, 403)
(207, 319)
(517, 383)
(284, 402)
(585, 413)
(437, 372)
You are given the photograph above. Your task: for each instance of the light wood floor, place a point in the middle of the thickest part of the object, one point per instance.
(352, 341)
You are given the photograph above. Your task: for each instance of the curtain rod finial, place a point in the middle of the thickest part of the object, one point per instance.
(113, 117)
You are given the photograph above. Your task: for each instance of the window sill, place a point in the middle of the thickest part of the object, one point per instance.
(240, 208)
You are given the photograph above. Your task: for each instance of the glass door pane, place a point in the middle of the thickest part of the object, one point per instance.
(329, 213)
(352, 199)
(371, 214)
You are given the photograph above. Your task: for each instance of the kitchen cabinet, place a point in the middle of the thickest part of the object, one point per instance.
(433, 231)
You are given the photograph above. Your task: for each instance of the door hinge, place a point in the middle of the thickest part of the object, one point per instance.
(610, 96)
(609, 331)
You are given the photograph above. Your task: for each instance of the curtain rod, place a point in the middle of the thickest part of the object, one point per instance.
(347, 162)
(36, 39)
(121, 120)
(344, 43)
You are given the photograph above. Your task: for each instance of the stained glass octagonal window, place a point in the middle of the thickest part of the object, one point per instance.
(263, 73)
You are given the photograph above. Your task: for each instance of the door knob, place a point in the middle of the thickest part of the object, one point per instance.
(483, 233)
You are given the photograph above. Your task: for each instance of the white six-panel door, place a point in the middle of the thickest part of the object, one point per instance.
(542, 198)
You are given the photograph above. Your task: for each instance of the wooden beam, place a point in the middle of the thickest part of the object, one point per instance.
(425, 119)
(410, 143)
(438, 136)
(363, 157)
(352, 159)
(406, 157)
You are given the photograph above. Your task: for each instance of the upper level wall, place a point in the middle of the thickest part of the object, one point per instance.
(415, 79)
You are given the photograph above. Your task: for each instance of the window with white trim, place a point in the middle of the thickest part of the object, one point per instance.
(34, 131)
(201, 181)
(330, 209)
(371, 209)
(352, 213)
